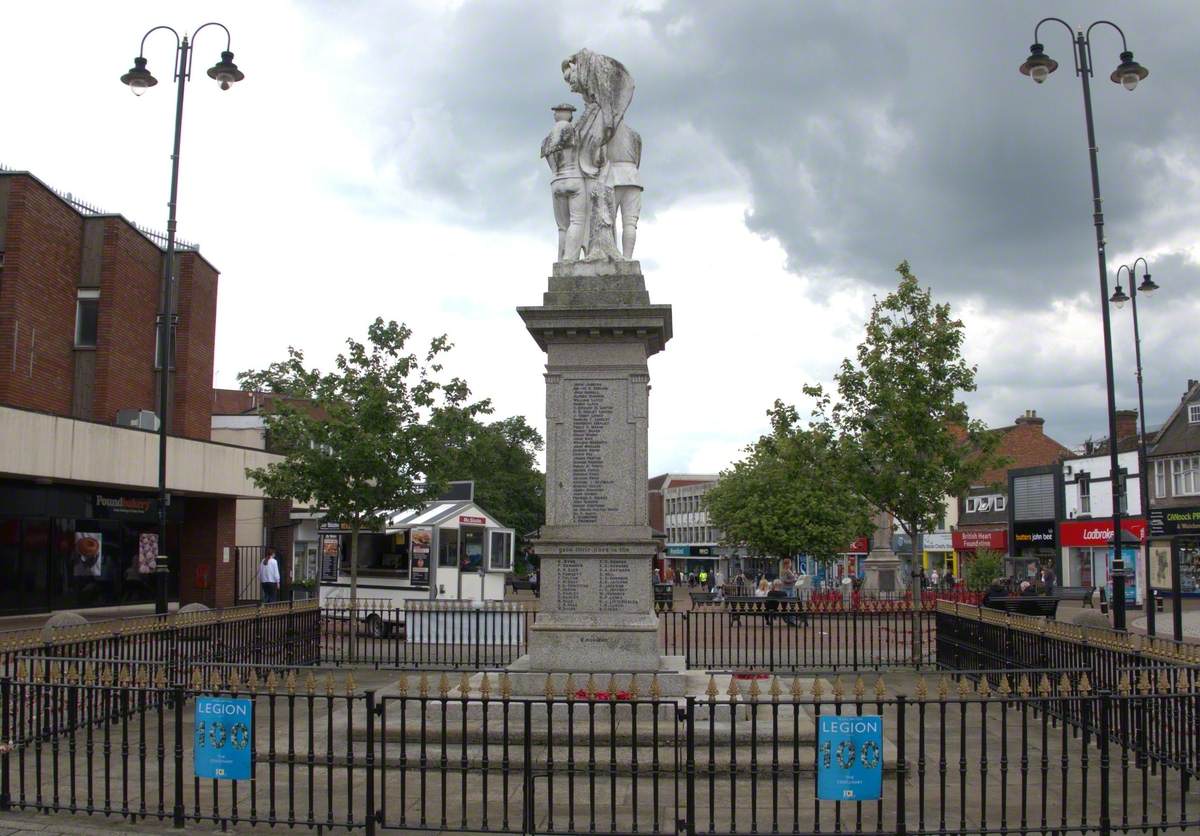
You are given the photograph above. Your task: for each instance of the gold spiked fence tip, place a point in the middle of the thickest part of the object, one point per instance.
(922, 690)
(754, 691)
(655, 688)
(733, 692)
(505, 686)
(880, 688)
(569, 687)
(464, 685)
(711, 690)
(485, 687)
(548, 687)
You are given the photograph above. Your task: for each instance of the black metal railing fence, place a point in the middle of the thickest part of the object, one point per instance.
(462, 752)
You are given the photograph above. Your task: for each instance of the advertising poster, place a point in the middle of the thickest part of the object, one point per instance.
(222, 739)
(331, 555)
(147, 558)
(850, 758)
(1131, 566)
(1160, 567)
(88, 559)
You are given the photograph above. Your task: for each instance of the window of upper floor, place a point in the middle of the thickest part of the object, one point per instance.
(1194, 413)
(87, 312)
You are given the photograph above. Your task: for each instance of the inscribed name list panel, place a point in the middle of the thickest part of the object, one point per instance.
(601, 444)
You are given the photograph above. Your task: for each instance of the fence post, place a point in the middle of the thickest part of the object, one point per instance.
(1105, 818)
(178, 818)
(689, 826)
(5, 739)
(527, 816)
(372, 816)
(901, 770)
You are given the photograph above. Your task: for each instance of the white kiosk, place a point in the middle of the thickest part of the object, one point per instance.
(447, 550)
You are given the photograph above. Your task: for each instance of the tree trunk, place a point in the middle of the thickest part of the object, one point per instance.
(917, 576)
(354, 564)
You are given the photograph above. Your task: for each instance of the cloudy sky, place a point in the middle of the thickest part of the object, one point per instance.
(381, 158)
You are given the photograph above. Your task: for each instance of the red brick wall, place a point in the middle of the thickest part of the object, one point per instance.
(208, 529)
(38, 289)
(130, 276)
(43, 238)
(194, 349)
(1024, 445)
(280, 533)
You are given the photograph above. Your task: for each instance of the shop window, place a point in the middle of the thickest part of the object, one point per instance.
(500, 559)
(471, 555)
(448, 547)
(1185, 479)
(87, 311)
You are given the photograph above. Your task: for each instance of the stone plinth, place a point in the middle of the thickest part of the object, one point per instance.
(598, 328)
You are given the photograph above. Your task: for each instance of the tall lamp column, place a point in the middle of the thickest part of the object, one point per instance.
(139, 79)
(1128, 73)
(1118, 300)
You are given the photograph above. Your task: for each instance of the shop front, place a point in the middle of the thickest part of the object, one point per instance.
(1175, 535)
(937, 554)
(443, 550)
(1035, 544)
(1087, 548)
(682, 561)
(69, 547)
(970, 541)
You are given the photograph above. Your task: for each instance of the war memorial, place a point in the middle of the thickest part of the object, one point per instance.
(592, 709)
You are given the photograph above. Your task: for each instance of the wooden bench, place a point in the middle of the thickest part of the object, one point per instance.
(1086, 594)
(1043, 605)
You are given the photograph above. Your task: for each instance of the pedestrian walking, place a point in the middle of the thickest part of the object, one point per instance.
(268, 577)
(934, 578)
(787, 578)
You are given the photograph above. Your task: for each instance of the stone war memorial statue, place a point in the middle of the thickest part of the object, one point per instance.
(594, 162)
(598, 328)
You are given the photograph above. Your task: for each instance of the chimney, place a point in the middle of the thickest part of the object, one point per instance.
(1191, 385)
(1126, 424)
(1031, 419)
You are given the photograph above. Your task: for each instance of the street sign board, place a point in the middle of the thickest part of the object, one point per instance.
(221, 746)
(850, 758)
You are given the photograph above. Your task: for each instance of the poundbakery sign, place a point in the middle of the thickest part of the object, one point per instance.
(125, 504)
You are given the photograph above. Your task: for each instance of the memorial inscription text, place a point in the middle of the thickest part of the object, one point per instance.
(616, 586)
(570, 574)
(591, 414)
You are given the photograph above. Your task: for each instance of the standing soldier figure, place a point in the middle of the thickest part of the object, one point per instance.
(561, 152)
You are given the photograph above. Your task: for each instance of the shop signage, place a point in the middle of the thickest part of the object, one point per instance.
(860, 546)
(1039, 533)
(938, 541)
(1167, 522)
(125, 504)
(995, 539)
(467, 519)
(221, 744)
(331, 525)
(1085, 533)
(691, 551)
(850, 758)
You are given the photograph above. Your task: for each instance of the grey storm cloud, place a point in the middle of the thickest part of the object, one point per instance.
(861, 134)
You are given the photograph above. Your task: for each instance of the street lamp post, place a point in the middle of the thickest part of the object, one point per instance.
(139, 79)
(1128, 73)
(1118, 300)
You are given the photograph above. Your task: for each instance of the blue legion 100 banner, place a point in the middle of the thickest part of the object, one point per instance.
(850, 758)
(222, 740)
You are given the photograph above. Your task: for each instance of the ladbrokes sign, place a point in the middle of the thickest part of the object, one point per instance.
(1098, 533)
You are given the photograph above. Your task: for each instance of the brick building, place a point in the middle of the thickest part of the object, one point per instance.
(80, 292)
(1173, 471)
(983, 516)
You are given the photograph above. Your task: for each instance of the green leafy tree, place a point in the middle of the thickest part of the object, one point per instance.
(908, 437)
(789, 494)
(501, 458)
(985, 568)
(357, 441)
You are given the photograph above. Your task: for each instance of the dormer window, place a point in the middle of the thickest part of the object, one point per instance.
(1194, 413)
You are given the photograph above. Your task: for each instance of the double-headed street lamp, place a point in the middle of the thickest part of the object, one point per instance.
(1118, 300)
(139, 79)
(1128, 73)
